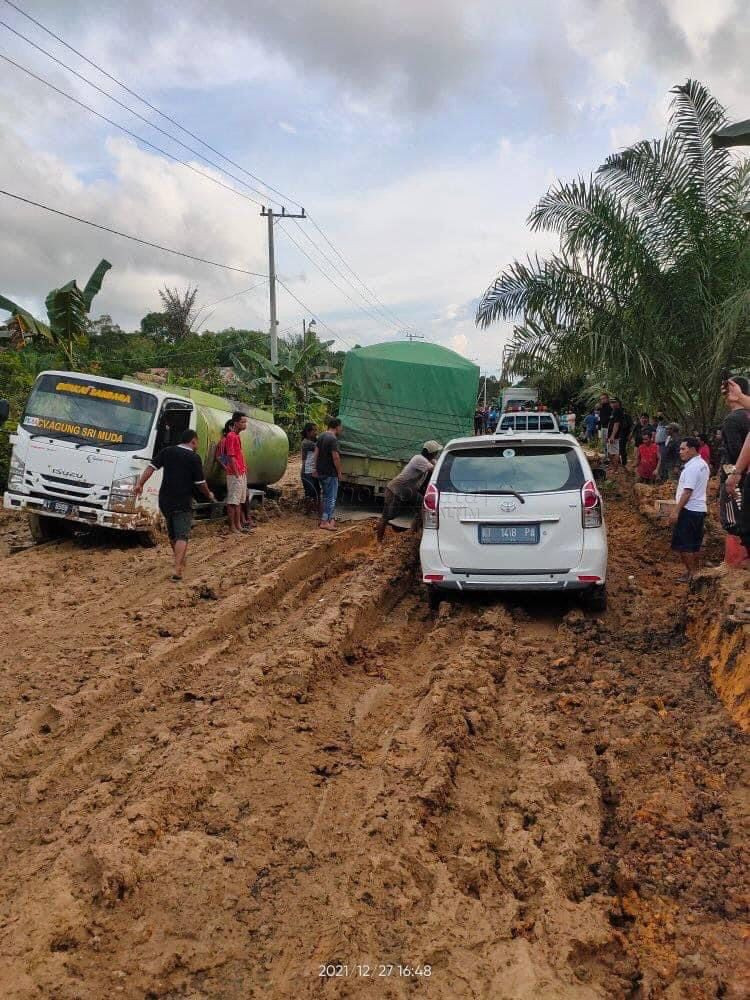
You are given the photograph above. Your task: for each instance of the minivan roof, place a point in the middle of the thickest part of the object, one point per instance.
(500, 440)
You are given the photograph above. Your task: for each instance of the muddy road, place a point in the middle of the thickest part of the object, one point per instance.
(286, 766)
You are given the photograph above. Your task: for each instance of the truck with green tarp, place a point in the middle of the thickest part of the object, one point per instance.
(394, 397)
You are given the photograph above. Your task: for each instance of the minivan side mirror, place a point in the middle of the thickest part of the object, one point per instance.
(599, 475)
(4, 410)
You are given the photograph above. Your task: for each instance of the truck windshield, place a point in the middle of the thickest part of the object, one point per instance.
(521, 468)
(73, 408)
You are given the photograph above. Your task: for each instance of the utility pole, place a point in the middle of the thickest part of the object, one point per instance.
(307, 331)
(414, 336)
(274, 323)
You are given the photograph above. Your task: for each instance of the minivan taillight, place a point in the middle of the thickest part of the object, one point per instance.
(430, 508)
(591, 503)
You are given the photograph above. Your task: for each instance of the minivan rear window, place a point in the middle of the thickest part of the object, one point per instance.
(522, 468)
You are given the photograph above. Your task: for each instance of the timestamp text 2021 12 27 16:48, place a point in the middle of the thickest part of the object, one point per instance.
(339, 970)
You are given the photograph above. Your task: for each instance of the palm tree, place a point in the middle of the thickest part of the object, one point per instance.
(649, 292)
(67, 310)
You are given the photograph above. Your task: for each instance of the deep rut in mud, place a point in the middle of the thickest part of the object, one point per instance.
(289, 765)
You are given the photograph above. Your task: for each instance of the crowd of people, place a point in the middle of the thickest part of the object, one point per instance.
(660, 451)
(663, 451)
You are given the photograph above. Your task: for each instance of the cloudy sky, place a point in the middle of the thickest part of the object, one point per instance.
(417, 133)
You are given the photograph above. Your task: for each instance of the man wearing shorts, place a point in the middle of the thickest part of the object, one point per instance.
(236, 475)
(689, 516)
(182, 471)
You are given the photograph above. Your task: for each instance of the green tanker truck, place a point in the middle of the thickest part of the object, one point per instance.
(84, 440)
(394, 396)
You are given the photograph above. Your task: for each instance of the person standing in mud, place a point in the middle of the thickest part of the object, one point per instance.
(605, 415)
(310, 482)
(614, 430)
(689, 515)
(236, 475)
(405, 489)
(738, 477)
(182, 471)
(327, 468)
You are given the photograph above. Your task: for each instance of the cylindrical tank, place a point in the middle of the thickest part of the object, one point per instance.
(265, 446)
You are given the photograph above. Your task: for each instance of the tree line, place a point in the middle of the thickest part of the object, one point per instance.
(648, 295)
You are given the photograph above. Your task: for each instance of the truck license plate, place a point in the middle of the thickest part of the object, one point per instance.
(60, 507)
(508, 534)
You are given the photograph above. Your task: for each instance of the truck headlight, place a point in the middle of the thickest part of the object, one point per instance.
(16, 473)
(121, 493)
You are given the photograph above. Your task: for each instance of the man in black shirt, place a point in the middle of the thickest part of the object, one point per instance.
(327, 463)
(183, 470)
(734, 431)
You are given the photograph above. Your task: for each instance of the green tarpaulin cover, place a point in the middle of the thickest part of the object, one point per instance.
(396, 396)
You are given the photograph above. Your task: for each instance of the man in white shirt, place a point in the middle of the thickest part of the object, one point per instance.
(689, 515)
(403, 491)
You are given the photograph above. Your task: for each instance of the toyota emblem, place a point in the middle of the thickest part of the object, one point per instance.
(508, 505)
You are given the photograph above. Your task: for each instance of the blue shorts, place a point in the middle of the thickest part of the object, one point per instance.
(687, 535)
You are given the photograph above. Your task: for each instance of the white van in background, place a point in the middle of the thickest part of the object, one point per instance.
(529, 421)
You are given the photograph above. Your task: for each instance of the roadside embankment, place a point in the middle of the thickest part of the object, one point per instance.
(717, 612)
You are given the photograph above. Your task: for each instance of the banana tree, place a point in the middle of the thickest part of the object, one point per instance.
(67, 311)
(299, 375)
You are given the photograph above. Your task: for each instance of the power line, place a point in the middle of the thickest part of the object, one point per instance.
(132, 111)
(331, 263)
(314, 315)
(127, 131)
(234, 295)
(373, 302)
(399, 322)
(367, 313)
(179, 142)
(143, 100)
(127, 236)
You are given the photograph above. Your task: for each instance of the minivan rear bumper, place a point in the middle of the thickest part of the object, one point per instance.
(591, 571)
(469, 583)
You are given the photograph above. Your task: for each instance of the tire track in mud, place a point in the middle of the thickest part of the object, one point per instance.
(81, 608)
(209, 714)
(321, 773)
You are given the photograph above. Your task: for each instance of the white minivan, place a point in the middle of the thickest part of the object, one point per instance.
(514, 512)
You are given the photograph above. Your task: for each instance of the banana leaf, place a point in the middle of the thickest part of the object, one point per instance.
(67, 312)
(34, 326)
(94, 284)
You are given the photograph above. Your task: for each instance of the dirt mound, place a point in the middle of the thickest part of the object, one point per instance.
(287, 779)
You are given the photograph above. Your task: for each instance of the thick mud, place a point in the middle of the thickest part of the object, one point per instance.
(285, 778)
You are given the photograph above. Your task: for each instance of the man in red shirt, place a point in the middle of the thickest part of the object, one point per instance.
(236, 475)
(648, 458)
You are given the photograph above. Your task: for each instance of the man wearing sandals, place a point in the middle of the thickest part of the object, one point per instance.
(182, 470)
(689, 515)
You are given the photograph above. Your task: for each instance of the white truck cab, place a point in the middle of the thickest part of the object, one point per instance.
(80, 447)
(531, 420)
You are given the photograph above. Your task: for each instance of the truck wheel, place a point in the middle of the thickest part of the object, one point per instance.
(148, 539)
(595, 599)
(434, 597)
(48, 529)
